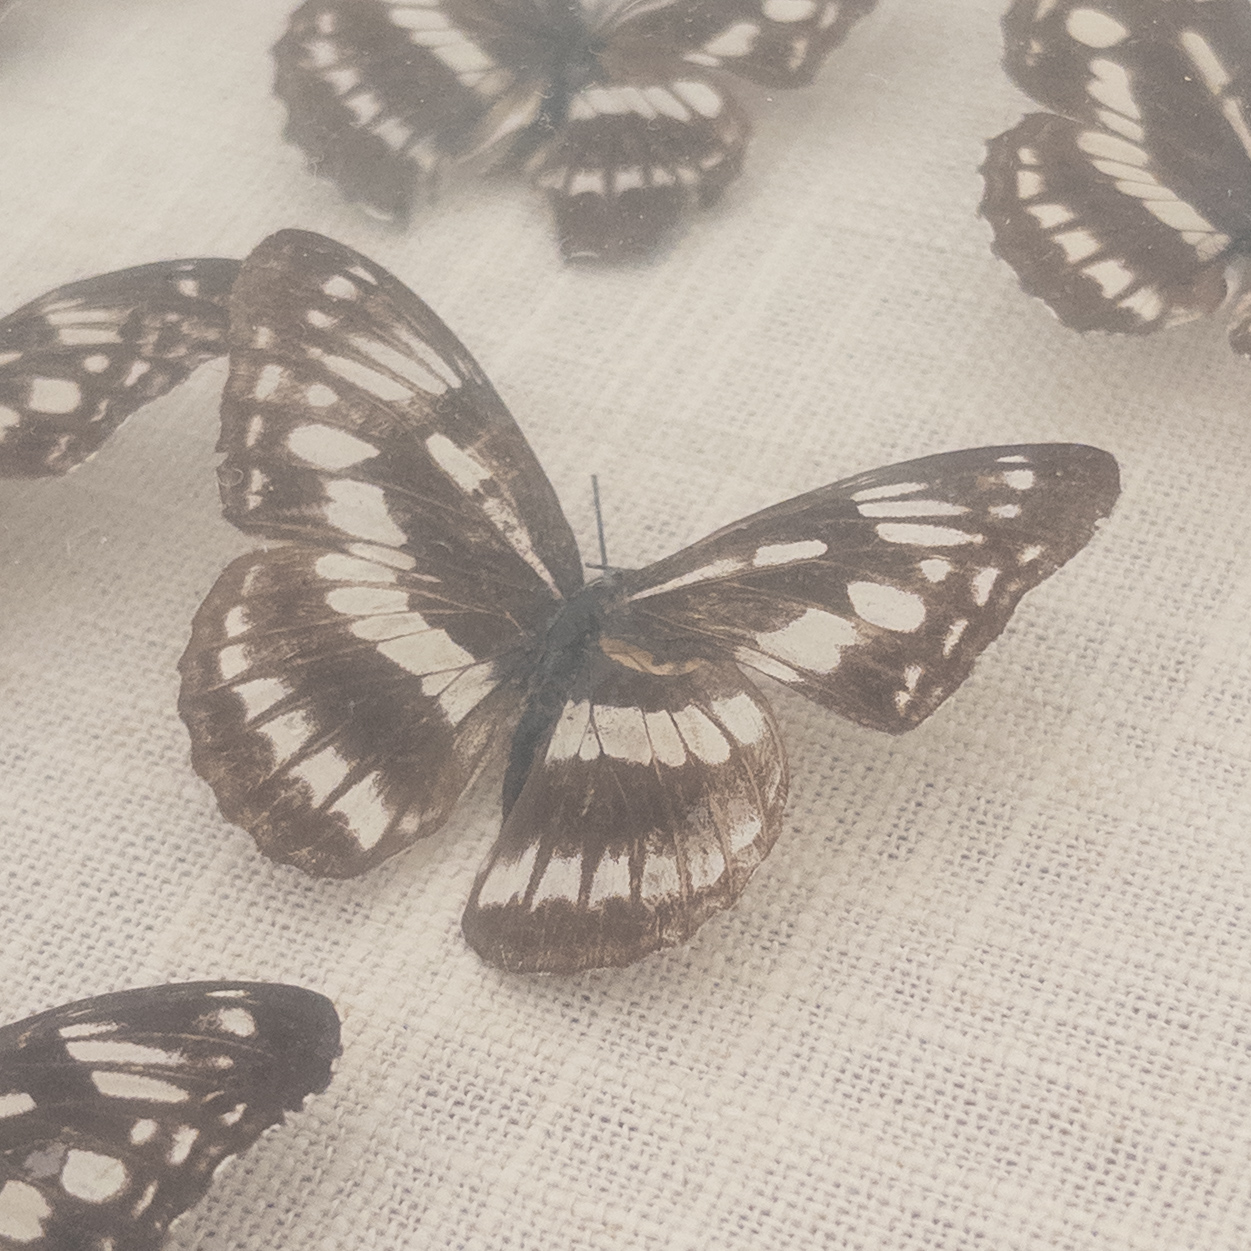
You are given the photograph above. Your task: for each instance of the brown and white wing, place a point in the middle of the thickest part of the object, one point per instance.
(633, 156)
(875, 595)
(341, 692)
(1121, 209)
(380, 93)
(646, 811)
(777, 43)
(75, 363)
(116, 1112)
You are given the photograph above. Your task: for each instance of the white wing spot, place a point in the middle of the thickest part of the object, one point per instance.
(1097, 143)
(319, 320)
(741, 717)
(54, 395)
(9, 418)
(143, 1131)
(567, 737)
(288, 733)
(428, 653)
(786, 553)
(912, 535)
(911, 508)
(789, 10)
(322, 772)
(415, 369)
(666, 103)
(234, 1116)
(109, 1051)
(587, 182)
(1005, 511)
(1029, 183)
(983, 583)
(704, 863)
(325, 447)
(955, 633)
(366, 601)
(93, 1177)
(667, 745)
(467, 689)
(237, 1021)
(136, 1086)
(1095, 29)
(623, 733)
(1030, 554)
(707, 573)
(700, 96)
(268, 381)
(506, 879)
(562, 879)
(360, 509)
(660, 876)
(745, 831)
(702, 736)
(1019, 479)
(367, 814)
(814, 641)
(145, 1200)
(1146, 303)
(336, 567)
(893, 490)
(1111, 275)
(96, 364)
(735, 41)
(611, 880)
(887, 606)
(15, 1103)
(1077, 244)
(1049, 216)
(935, 569)
(1111, 86)
(23, 1211)
(340, 288)
(180, 1147)
(381, 386)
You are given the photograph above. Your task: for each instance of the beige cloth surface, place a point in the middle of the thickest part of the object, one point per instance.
(993, 988)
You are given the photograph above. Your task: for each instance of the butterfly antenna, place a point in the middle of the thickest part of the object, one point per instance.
(599, 522)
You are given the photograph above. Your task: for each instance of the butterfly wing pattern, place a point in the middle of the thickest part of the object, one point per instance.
(77, 362)
(619, 116)
(115, 1111)
(1124, 207)
(418, 601)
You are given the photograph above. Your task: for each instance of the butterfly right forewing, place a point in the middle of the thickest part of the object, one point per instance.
(75, 363)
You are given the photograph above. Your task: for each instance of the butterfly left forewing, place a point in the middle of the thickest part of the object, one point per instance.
(75, 363)
(875, 595)
(341, 692)
(115, 1112)
(657, 793)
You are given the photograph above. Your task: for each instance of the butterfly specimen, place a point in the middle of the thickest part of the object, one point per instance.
(115, 1111)
(623, 116)
(420, 598)
(1125, 206)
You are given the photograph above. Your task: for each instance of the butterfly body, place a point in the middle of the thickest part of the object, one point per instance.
(1128, 208)
(115, 1112)
(620, 116)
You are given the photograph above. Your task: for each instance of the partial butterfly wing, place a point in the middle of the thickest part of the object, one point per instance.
(1123, 212)
(75, 363)
(380, 93)
(659, 792)
(342, 691)
(875, 595)
(114, 1112)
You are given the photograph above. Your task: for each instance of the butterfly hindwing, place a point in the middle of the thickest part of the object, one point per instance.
(114, 1112)
(657, 793)
(341, 692)
(875, 595)
(632, 158)
(1122, 209)
(75, 363)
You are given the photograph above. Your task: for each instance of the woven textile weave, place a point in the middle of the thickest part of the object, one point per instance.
(992, 990)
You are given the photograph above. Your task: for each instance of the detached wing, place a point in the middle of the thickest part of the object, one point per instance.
(115, 1112)
(75, 363)
(647, 810)
(380, 93)
(342, 691)
(1121, 212)
(874, 596)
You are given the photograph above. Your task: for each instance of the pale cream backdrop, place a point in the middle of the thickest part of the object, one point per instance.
(992, 990)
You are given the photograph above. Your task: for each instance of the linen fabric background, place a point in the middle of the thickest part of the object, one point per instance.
(993, 987)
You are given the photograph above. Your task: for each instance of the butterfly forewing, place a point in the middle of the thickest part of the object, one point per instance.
(380, 93)
(632, 157)
(115, 1111)
(342, 692)
(79, 360)
(778, 43)
(875, 595)
(1123, 212)
(656, 795)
